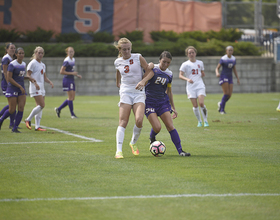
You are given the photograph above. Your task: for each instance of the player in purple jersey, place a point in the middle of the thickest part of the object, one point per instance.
(228, 64)
(68, 84)
(7, 58)
(159, 100)
(15, 90)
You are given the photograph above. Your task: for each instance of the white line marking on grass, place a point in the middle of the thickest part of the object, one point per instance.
(71, 134)
(141, 197)
(47, 142)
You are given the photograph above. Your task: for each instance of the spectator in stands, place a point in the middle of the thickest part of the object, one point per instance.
(128, 73)
(37, 70)
(15, 90)
(68, 70)
(159, 100)
(228, 62)
(192, 71)
(7, 58)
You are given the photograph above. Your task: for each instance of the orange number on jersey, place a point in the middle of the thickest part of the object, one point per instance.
(131, 61)
(89, 20)
(126, 69)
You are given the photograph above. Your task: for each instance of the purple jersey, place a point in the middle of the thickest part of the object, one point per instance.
(227, 64)
(5, 61)
(70, 66)
(18, 70)
(157, 85)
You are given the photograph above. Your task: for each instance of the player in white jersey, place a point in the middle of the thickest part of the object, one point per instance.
(129, 68)
(192, 71)
(37, 70)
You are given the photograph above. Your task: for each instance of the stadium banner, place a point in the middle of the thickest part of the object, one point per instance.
(113, 16)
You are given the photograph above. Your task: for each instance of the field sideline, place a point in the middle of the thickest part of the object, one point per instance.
(69, 172)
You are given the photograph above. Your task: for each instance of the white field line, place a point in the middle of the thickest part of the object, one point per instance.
(71, 134)
(47, 142)
(141, 197)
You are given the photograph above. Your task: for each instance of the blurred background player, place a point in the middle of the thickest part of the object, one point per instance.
(192, 71)
(68, 70)
(129, 72)
(159, 100)
(278, 108)
(7, 58)
(228, 63)
(37, 70)
(15, 90)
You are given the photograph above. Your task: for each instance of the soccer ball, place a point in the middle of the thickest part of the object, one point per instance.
(157, 148)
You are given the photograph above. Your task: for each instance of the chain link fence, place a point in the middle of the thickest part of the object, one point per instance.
(258, 20)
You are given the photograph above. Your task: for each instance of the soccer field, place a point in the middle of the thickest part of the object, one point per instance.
(69, 171)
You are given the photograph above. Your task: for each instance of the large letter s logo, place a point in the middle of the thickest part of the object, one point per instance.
(89, 19)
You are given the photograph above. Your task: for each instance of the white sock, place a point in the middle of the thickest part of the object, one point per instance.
(136, 134)
(120, 138)
(34, 112)
(202, 113)
(38, 119)
(196, 113)
(279, 105)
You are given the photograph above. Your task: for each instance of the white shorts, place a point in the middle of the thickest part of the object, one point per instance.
(132, 98)
(34, 92)
(193, 94)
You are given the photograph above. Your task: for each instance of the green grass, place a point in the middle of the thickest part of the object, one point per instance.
(238, 154)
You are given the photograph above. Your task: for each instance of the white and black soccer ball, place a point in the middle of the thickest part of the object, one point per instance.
(157, 148)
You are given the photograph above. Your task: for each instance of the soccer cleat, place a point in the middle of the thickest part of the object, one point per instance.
(40, 129)
(152, 140)
(73, 116)
(199, 124)
(206, 124)
(222, 112)
(219, 106)
(1, 122)
(278, 109)
(15, 131)
(184, 154)
(28, 124)
(134, 149)
(57, 111)
(119, 155)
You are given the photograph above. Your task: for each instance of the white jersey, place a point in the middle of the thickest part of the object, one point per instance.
(38, 72)
(131, 73)
(192, 71)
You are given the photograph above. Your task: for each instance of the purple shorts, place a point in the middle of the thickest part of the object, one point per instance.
(68, 84)
(13, 92)
(159, 107)
(225, 79)
(4, 86)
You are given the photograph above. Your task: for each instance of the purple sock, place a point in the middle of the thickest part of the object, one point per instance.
(153, 134)
(18, 119)
(65, 103)
(71, 108)
(12, 118)
(3, 110)
(223, 102)
(5, 115)
(176, 140)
